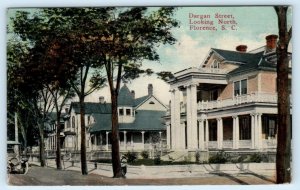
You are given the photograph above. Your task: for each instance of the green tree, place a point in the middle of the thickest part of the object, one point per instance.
(283, 156)
(78, 27)
(131, 35)
(45, 65)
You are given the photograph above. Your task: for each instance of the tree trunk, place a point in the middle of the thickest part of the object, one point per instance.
(58, 152)
(42, 147)
(84, 169)
(115, 147)
(283, 156)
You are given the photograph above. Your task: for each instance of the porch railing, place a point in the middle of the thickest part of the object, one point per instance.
(269, 143)
(227, 144)
(245, 143)
(237, 100)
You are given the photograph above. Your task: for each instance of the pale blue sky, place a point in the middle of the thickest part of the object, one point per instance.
(192, 46)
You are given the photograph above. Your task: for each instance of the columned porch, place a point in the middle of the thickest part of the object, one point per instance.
(130, 140)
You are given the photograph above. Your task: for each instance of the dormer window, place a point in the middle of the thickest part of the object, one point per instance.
(128, 111)
(121, 112)
(215, 64)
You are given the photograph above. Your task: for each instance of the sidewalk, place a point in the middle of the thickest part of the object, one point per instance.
(260, 170)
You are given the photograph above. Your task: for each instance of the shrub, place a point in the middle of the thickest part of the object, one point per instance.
(130, 156)
(157, 160)
(257, 158)
(219, 158)
(242, 158)
(145, 154)
(197, 156)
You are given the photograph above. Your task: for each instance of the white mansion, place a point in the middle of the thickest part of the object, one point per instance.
(228, 103)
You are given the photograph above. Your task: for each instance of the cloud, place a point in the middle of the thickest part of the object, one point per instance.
(230, 43)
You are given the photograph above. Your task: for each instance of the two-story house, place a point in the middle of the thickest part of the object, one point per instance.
(140, 123)
(228, 103)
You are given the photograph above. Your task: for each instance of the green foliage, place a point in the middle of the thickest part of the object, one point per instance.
(165, 75)
(219, 158)
(157, 160)
(197, 156)
(130, 156)
(257, 158)
(145, 154)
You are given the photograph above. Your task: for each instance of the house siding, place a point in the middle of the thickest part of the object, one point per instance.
(268, 82)
(157, 106)
(227, 92)
(252, 84)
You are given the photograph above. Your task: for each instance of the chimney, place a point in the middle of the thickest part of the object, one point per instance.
(101, 99)
(150, 89)
(133, 94)
(241, 48)
(271, 41)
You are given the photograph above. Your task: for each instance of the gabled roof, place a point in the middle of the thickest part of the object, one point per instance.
(235, 56)
(125, 97)
(92, 107)
(247, 61)
(144, 120)
(140, 100)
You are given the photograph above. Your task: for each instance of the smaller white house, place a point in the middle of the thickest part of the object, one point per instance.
(141, 124)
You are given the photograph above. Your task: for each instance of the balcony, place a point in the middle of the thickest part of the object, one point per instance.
(256, 97)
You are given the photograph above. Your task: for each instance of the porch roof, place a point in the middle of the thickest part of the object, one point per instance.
(145, 120)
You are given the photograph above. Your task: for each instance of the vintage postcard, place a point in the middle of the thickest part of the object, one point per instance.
(149, 95)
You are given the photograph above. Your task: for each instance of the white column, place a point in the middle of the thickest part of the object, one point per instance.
(175, 118)
(237, 125)
(236, 130)
(172, 127)
(188, 116)
(168, 136)
(194, 116)
(191, 115)
(206, 133)
(259, 131)
(125, 140)
(107, 140)
(180, 137)
(143, 139)
(220, 133)
(253, 131)
(201, 134)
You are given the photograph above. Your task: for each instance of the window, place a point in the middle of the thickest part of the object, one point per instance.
(244, 86)
(240, 87)
(236, 88)
(151, 102)
(89, 119)
(245, 127)
(269, 123)
(215, 65)
(214, 95)
(121, 112)
(212, 130)
(128, 111)
(73, 122)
